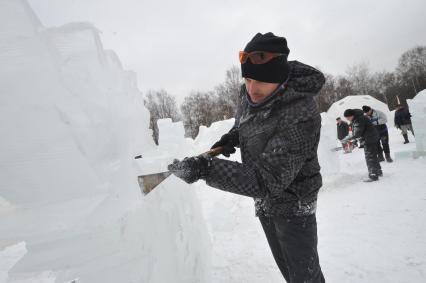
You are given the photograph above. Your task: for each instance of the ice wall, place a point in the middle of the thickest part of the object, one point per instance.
(328, 159)
(71, 121)
(417, 107)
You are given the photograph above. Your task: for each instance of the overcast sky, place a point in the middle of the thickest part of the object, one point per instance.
(186, 45)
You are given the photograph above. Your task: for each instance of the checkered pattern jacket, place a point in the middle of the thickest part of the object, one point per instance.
(278, 142)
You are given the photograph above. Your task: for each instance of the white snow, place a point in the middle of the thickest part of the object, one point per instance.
(71, 122)
(328, 159)
(367, 232)
(9, 256)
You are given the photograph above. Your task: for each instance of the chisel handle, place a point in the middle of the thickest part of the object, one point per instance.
(214, 151)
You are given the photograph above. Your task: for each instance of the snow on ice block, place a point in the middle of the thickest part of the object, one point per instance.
(171, 135)
(404, 154)
(172, 144)
(417, 107)
(9, 256)
(409, 154)
(328, 159)
(207, 136)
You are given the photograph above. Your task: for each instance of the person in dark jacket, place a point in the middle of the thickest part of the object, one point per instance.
(342, 129)
(342, 132)
(379, 120)
(277, 127)
(403, 121)
(363, 128)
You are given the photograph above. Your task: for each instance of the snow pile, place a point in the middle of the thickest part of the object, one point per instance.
(417, 107)
(71, 121)
(9, 257)
(172, 144)
(207, 136)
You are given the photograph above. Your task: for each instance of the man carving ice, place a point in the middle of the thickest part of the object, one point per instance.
(277, 127)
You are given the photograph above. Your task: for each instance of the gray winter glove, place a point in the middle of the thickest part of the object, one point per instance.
(190, 169)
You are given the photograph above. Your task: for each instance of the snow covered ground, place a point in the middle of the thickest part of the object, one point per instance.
(368, 232)
(71, 121)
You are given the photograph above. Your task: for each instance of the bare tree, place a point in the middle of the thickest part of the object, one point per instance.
(228, 93)
(327, 94)
(203, 108)
(160, 105)
(360, 78)
(411, 69)
(199, 108)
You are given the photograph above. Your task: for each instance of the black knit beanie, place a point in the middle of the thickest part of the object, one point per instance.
(366, 108)
(349, 113)
(274, 71)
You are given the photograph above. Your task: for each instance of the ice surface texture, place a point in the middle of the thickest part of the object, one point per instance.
(71, 122)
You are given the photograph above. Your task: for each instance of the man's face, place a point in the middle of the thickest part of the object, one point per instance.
(338, 121)
(369, 113)
(258, 91)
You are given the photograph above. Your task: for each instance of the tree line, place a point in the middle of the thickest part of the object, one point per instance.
(403, 83)
(199, 107)
(204, 108)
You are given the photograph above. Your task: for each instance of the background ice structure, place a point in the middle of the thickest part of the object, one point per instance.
(71, 121)
(417, 107)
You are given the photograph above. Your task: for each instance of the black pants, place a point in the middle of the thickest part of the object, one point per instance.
(373, 164)
(383, 142)
(293, 242)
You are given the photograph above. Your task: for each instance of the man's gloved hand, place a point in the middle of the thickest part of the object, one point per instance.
(228, 142)
(190, 169)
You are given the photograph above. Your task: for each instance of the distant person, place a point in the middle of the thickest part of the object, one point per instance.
(403, 121)
(364, 129)
(342, 132)
(379, 120)
(342, 129)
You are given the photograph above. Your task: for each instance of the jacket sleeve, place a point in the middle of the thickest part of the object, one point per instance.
(359, 128)
(346, 127)
(396, 120)
(304, 78)
(276, 167)
(381, 117)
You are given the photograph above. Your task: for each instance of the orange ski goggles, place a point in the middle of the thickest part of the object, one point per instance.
(258, 57)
